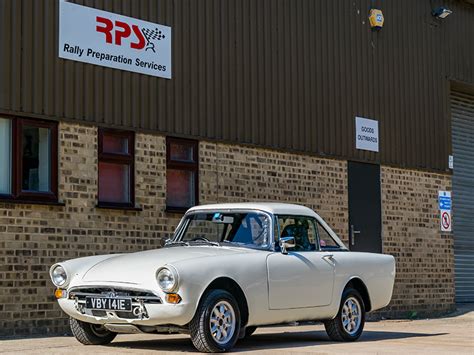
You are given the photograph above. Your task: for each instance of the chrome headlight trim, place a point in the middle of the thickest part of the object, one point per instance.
(167, 278)
(59, 275)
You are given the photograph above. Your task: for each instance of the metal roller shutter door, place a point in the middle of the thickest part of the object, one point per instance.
(462, 108)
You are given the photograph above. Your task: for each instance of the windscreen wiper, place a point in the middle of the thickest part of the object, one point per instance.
(177, 242)
(202, 241)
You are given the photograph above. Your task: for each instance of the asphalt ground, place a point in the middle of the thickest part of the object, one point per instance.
(453, 334)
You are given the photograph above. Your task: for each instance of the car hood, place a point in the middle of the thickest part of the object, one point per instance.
(141, 267)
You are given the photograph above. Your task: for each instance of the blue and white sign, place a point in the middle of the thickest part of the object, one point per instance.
(444, 199)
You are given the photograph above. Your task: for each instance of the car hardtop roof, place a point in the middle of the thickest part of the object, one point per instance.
(270, 207)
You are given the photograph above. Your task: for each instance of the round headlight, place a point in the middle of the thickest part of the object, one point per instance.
(59, 276)
(167, 279)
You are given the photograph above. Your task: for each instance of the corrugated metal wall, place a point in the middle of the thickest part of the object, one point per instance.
(289, 74)
(462, 108)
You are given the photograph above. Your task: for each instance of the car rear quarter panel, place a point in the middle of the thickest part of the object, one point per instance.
(377, 272)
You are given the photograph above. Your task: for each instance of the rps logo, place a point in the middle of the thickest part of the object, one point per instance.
(116, 31)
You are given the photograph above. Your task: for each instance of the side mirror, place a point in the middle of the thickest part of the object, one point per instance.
(163, 242)
(287, 243)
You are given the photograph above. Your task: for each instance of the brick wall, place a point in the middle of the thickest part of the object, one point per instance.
(232, 173)
(33, 237)
(411, 233)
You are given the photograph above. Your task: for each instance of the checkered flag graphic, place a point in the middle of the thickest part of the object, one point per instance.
(152, 35)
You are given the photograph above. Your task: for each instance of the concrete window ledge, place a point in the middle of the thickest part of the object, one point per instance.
(124, 208)
(28, 202)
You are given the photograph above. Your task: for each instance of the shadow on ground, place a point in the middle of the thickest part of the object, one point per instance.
(267, 341)
(461, 309)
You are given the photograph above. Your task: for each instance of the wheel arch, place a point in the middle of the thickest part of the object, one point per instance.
(359, 285)
(231, 286)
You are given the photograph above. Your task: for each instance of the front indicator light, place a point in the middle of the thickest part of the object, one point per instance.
(60, 293)
(173, 298)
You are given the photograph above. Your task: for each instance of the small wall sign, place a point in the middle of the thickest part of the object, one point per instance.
(445, 221)
(444, 201)
(110, 40)
(367, 134)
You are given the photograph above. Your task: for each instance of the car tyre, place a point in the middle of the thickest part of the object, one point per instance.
(216, 324)
(91, 334)
(349, 322)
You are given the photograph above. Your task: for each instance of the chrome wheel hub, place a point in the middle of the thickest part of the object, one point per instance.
(351, 315)
(222, 322)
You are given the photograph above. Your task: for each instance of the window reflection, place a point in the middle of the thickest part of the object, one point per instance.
(36, 159)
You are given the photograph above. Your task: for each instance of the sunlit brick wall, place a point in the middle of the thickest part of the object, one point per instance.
(411, 232)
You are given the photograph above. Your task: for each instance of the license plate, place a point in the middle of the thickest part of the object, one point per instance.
(109, 304)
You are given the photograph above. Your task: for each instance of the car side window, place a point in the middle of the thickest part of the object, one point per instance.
(302, 229)
(325, 240)
(252, 229)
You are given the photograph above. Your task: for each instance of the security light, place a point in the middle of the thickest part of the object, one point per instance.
(442, 12)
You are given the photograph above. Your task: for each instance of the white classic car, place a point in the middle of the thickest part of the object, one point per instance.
(228, 269)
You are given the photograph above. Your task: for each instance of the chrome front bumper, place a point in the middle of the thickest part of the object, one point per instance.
(148, 308)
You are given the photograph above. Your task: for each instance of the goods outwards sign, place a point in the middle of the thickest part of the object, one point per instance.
(367, 134)
(103, 38)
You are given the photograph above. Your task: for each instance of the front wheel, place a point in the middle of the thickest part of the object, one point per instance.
(349, 322)
(91, 334)
(216, 324)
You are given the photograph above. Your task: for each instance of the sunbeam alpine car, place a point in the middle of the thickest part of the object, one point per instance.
(228, 269)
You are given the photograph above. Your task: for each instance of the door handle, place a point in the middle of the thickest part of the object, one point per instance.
(353, 234)
(329, 258)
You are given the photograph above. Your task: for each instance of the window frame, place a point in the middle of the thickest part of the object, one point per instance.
(17, 193)
(318, 224)
(117, 158)
(184, 166)
(310, 219)
(184, 224)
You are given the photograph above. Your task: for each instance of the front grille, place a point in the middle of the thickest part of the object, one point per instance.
(140, 298)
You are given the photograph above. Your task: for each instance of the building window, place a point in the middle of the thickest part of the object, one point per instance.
(28, 159)
(116, 168)
(181, 174)
(5, 156)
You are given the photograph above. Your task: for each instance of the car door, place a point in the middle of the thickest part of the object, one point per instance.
(305, 276)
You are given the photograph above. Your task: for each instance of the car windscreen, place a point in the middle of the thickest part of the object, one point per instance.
(244, 228)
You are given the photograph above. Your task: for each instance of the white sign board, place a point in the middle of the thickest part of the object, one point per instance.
(451, 162)
(103, 38)
(367, 134)
(446, 223)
